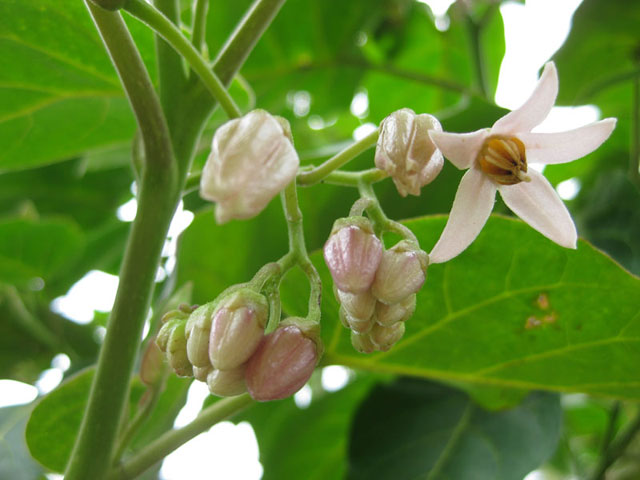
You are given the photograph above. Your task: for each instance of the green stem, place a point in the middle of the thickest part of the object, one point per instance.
(171, 74)
(315, 175)
(157, 199)
(616, 449)
(611, 428)
(474, 30)
(380, 221)
(159, 23)
(634, 159)
(199, 24)
(353, 179)
(168, 442)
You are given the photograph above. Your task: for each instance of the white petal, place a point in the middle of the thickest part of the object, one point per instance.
(561, 147)
(471, 208)
(460, 148)
(535, 109)
(537, 203)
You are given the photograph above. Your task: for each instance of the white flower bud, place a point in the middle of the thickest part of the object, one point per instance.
(252, 159)
(387, 315)
(385, 337)
(227, 383)
(406, 152)
(401, 273)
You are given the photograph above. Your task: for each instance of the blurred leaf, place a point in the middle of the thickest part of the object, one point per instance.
(15, 461)
(60, 412)
(413, 429)
(31, 249)
(474, 323)
(58, 69)
(309, 443)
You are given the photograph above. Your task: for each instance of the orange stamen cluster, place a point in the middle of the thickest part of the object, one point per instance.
(503, 159)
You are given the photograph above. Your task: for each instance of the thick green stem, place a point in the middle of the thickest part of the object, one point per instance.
(167, 443)
(199, 28)
(353, 179)
(474, 30)
(163, 26)
(315, 175)
(171, 74)
(616, 449)
(158, 195)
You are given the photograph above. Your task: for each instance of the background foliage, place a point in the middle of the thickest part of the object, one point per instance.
(66, 132)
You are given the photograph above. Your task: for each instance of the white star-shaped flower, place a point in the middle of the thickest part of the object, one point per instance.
(497, 159)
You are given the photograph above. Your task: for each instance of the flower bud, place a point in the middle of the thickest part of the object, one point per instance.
(226, 383)
(387, 315)
(237, 328)
(362, 343)
(152, 366)
(360, 325)
(251, 161)
(177, 351)
(358, 305)
(353, 254)
(402, 272)
(197, 332)
(283, 362)
(200, 373)
(385, 337)
(406, 152)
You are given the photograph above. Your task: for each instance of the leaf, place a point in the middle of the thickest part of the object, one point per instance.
(57, 68)
(15, 461)
(308, 443)
(479, 319)
(30, 248)
(59, 413)
(413, 429)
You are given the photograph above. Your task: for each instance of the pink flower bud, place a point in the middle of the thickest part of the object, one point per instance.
(251, 161)
(401, 273)
(353, 254)
(387, 315)
(358, 305)
(282, 364)
(237, 328)
(406, 152)
(227, 383)
(362, 343)
(360, 325)
(385, 337)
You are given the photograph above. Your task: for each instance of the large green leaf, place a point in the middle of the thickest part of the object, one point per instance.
(483, 317)
(55, 67)
(414, 429)
(309, 443)
(31, 248)
(15, 462)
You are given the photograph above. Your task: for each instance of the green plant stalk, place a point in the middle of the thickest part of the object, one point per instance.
(199, 27)
(353, 179)
(315, 175)
(168, 442)
(158, 195)
(171, 74)
(163, 26)
(380, 221)
(616, 449)
(474, 29)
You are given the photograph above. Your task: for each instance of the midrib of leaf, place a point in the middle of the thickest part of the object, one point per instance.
(463, 423)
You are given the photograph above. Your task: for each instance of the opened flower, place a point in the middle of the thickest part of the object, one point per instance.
(497, 159)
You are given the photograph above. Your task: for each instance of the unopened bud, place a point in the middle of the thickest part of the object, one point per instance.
(353, 254)
(385, 337)
(177, 351)
(360, 325)
(401, 273)
(283, 362)
(200, 373)
(152, 365)
(237, 328)
(387, 315)
(362, 343)
(227, 383)
(252, 159)
(197, 333)
(358, 305)
(406, 152)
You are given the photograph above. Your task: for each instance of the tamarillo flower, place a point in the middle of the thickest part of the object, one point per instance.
(406, 152)
(252, 159)
(497, 160)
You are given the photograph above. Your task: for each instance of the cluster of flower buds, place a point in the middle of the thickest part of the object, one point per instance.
(223, 343)
(376, 288)
(406, 152)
